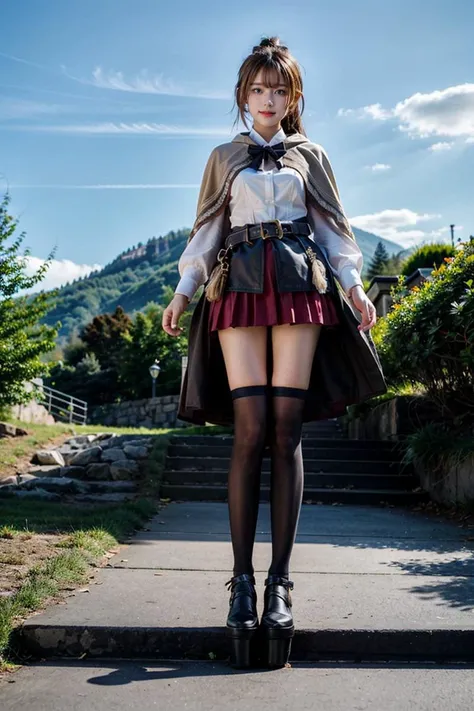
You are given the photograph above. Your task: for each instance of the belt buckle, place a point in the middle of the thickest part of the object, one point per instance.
(264, 234)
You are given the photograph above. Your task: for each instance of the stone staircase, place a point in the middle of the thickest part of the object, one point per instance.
(337, 470)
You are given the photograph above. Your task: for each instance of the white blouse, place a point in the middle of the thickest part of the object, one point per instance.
(268, 194)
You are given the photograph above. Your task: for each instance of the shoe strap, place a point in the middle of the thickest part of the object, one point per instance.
(242, 578)
(279, 580)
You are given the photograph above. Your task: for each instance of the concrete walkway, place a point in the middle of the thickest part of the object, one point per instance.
(370, 584)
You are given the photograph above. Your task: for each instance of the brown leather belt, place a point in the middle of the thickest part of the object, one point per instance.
(265, 230)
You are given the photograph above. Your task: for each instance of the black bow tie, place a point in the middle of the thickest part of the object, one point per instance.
(258, 153)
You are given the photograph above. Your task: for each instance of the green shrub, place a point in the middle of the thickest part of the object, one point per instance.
(427, 337)
(429, 256)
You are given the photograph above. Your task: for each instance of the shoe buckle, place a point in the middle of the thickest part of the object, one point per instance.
(265, 235)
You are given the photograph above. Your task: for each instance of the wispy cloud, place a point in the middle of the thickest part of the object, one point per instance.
(105, 186)
(11, 108)
(397, 225)
(447, 112)
(379, 167)
(143, 83)
(111, 128)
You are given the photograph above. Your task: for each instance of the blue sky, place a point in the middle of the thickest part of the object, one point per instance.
(109, 110)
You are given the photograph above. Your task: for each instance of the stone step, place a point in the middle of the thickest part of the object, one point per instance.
(326, 466)
(337, 480)
(312, 480)
(311, 452)
(310, 441)
(377, 497)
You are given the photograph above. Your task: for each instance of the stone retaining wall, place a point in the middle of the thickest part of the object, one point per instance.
(393, 419)
(150, 412)
(452, 486)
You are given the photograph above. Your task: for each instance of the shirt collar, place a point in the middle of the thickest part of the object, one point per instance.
(277, 138)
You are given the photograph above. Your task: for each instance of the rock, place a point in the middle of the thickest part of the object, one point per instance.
(75, 472)
(30, 494)
(113, 454)
(8, 430)
(103, 498)
(123, 469)
(135, 452)
(87, 456)
(48, 456)
(98, 471)
(46, 470)
(59, 485)
(80, 440)
(9, 481)
(111, 486)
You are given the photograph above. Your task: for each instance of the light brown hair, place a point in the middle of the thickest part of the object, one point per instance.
(271, 56)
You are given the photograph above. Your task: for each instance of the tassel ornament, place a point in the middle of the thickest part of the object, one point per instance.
(318, 271)
(218, 277)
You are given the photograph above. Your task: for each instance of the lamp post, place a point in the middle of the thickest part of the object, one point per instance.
(154, 372)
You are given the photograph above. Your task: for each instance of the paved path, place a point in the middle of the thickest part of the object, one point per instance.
(370, 584)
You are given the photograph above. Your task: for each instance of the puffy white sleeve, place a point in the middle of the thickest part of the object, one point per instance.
(343, 253)
(199, 256)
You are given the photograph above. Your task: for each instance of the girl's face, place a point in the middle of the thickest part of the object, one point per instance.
(267, 104)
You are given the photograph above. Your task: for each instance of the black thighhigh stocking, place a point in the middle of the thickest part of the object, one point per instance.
(287, 473)
(250, 420)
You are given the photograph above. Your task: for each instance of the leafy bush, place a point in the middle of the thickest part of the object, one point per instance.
(429, 256)
(427, 337)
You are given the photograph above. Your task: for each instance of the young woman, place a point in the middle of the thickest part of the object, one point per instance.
(275, 340)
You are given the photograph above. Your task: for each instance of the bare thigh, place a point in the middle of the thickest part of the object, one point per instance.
(245, 355)
(294, 347)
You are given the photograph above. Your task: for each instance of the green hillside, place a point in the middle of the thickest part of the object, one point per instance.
(138, 276)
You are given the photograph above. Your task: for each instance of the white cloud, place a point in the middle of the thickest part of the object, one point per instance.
(379, 167)
(58, 273)
(441, 146)
(447, 112)
(397, 225)
(145, 84)
(111, 128)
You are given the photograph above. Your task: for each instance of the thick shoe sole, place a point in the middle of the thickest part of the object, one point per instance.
(277, 645)
(242, 652)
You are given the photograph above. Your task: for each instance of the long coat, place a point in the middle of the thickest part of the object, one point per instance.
(346, 368)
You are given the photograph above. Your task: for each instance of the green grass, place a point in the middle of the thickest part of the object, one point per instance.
(87, 532)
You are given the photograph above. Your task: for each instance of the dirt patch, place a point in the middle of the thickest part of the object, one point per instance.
(22, 552)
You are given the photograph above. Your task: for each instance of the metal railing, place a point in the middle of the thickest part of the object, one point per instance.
(61, 406)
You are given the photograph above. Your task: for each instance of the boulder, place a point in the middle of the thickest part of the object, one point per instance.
(124, 469)
(87, 456)
(8, 430)
(98, 471)
(113, 454)
(48, 456)
(134, 452)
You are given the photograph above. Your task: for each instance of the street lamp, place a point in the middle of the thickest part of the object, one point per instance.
(154, 372)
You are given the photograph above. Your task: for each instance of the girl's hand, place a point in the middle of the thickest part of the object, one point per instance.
(362, 302)
(172, 314)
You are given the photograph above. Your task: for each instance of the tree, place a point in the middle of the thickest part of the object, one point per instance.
(379, 261)
(22, 339)
(104, 336)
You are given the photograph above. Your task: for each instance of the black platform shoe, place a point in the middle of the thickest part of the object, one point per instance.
(277, 620)
(242, 621)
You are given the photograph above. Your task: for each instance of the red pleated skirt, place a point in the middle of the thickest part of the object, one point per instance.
(271, 308)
